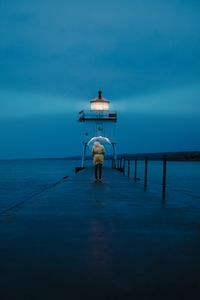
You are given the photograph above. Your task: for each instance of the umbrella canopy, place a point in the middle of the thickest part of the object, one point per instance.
(100, 139)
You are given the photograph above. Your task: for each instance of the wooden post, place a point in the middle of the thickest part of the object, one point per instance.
(164, 177)
(128, 167)
(135, 175)
(145, 172)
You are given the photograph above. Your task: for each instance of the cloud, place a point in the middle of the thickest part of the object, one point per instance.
(55, 55)
(25, 105)
(71, 47)
(26, 19)
(182, 101)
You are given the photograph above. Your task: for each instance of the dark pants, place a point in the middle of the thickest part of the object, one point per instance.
(98, 171)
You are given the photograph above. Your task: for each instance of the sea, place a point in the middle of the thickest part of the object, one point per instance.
(22, 179)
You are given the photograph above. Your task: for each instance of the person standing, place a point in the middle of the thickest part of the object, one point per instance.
(98, 153)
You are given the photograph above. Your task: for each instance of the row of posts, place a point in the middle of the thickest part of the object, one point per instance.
(121, 164)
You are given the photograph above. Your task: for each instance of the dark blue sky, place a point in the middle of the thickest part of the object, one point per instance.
(54, 56)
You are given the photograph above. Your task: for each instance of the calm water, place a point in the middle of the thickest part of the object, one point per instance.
(21, 179)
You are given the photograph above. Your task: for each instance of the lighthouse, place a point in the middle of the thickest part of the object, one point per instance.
(99, 122)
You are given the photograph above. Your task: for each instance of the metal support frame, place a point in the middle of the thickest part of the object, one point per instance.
(145, 172)
(129, 168)
(120, 163)
(135, 173)
(164, 177)
(114, 155)
(83, 155)
(124, 166)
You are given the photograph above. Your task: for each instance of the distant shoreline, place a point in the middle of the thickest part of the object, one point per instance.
(171, 156)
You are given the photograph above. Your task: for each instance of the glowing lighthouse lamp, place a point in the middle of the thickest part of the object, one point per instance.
(99, 103)
(99, 124)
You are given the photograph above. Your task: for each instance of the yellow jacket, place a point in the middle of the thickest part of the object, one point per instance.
(98, 153)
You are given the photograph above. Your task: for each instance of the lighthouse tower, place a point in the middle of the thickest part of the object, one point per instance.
(100, 122)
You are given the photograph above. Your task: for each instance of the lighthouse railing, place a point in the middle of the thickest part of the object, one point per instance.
(97, 115)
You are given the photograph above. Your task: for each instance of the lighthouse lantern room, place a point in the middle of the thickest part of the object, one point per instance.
(99, 103)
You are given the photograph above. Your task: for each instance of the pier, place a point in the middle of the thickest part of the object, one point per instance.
(83, 239)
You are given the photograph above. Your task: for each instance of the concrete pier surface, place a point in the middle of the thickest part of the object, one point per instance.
(109, 240)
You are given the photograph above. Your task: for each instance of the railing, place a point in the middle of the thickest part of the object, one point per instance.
(123, 164)
(97, 115)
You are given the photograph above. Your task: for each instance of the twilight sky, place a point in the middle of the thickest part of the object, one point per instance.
(56, 54)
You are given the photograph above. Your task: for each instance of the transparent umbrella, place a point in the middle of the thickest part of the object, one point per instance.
(103, 140)
(100, 139)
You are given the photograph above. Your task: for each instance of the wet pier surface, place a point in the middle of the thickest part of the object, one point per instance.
(109, 240)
